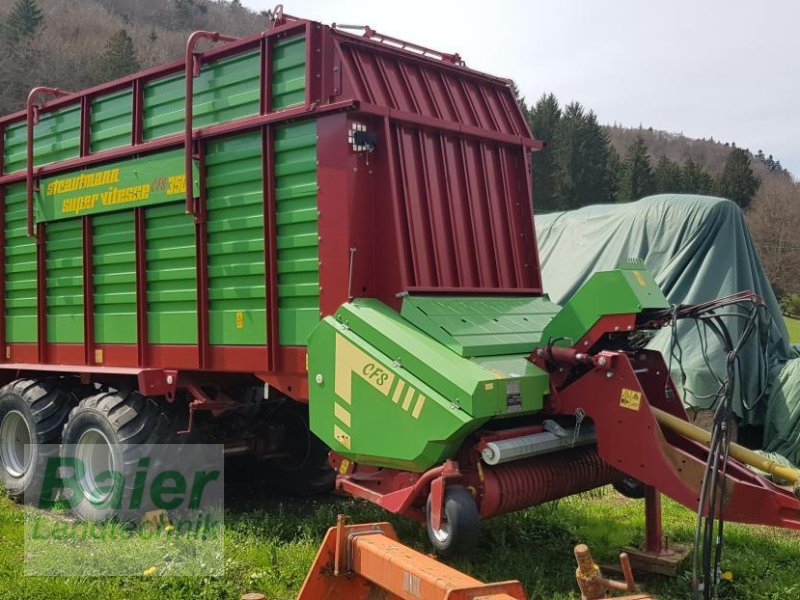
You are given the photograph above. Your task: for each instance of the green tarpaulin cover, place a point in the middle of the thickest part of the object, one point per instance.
(698, 249)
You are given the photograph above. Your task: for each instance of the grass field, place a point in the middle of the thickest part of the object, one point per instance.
(793, 325)
(270, 543)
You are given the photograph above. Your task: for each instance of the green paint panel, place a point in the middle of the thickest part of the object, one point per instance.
(111, 119)
(296, 225)
(629, 289)
(171, 275)
(20, 269)
(235, 209)
(226, 89)
(64, 279)
(289, 72)
(56, 137)
(481, 326)
(114, 277)
(14, 147)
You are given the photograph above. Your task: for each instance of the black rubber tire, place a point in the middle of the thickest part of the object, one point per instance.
(44, 405)
(307, 473)
(461, 527)
(630, 488)
(131, 423)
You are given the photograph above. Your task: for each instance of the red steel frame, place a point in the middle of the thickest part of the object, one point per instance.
(332, 92)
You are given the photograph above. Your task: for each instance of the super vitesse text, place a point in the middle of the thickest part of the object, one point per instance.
(113, 195)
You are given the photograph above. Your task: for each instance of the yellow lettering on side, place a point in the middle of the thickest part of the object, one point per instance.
(638, 276)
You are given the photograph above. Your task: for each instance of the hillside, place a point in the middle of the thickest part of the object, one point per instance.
(709, 153)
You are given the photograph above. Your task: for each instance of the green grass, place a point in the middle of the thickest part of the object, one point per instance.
(270, 543)
(793, 325)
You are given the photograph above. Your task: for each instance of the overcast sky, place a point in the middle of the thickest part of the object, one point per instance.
(706, 68)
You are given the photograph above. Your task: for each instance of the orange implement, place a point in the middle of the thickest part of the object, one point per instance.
(355, 561)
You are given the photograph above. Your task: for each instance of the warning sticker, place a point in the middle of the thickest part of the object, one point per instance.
(630, 399)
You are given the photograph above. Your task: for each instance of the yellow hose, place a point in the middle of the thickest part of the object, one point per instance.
(740, 453)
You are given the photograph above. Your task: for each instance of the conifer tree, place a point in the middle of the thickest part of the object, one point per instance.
(118, 58)
(23, 21)
(667, 176)
(543, 118)
(637, 175)
(614, 170)
(581, 159)
(737, 181)
(695, 179)
(20, 56)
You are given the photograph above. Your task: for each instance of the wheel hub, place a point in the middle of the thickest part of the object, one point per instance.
(93, 450)
(443, 533)
(15, 435)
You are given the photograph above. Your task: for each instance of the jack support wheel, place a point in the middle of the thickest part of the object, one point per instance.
(460, 528)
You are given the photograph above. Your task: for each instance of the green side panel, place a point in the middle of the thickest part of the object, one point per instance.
(14, 147)
(389, 419)
(114, 275)
(481, 326)
(111, 120)
(64, 278)
(296, 228)
(226, 89)
(20, 272)
(235, 209)
(630, 289)
(289, 72)
(56, 137)
(171, 275)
